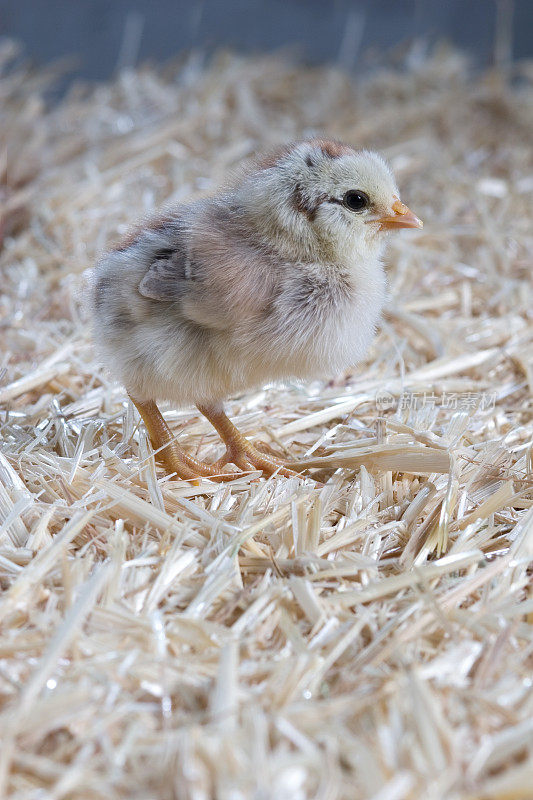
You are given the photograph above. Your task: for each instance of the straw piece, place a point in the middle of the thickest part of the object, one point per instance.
(416, 460)
(418, 575)
(32, 381)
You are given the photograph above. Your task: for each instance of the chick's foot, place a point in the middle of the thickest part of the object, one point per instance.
(170, 453)
(239, 450)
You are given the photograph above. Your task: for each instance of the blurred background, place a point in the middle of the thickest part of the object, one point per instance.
(104, 36)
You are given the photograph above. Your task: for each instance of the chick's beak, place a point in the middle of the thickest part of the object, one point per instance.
(402, 217)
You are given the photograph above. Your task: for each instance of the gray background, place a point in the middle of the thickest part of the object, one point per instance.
(106, 35)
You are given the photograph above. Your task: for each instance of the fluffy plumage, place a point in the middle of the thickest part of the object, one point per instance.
(272, 278)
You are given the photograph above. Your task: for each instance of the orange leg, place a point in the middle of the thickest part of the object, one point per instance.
(239, 450)
(171, 454)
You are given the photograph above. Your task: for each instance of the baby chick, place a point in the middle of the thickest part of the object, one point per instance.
(279, 276)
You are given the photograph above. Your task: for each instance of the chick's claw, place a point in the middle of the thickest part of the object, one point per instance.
(247, 457)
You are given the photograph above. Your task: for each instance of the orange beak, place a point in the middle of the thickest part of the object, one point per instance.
(403, 217)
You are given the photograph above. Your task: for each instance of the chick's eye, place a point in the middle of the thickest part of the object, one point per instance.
(355, 200)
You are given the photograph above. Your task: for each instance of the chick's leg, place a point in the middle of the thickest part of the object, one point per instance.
(239, 450)
(169, 451)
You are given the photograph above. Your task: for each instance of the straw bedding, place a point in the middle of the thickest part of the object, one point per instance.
(366, 637)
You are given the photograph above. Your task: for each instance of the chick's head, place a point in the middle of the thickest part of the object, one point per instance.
(326, 199)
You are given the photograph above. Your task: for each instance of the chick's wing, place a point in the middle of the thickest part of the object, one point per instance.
(172, 278)
(211, 273)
